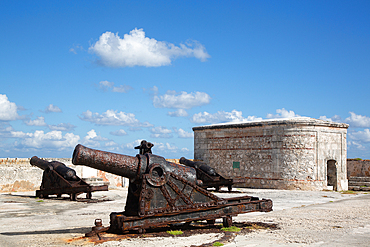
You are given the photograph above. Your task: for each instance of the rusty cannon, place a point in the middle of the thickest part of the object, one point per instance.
(209, 176)
(58, 179)
(162, 193)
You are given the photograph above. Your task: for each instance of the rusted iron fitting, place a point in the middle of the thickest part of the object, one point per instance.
(97, 228)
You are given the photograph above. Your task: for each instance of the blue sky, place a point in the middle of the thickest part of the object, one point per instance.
(108, 74)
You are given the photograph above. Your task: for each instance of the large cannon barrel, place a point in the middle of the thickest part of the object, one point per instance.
(60, 168)
(198, 165)
(118, 164)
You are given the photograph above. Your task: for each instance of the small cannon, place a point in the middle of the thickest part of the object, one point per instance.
(209, 176)
(162, 193)
(58, 179)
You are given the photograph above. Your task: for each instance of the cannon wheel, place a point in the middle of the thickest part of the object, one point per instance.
(227, 221)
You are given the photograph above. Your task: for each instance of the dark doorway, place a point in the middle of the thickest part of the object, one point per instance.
(331, 174)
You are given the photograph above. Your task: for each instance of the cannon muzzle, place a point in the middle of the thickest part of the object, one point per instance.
(118, 164)
(198, 165)
(60, 168)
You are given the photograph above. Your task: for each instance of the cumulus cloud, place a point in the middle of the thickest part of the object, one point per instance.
(40, 121)
(166, 147)
(93, 139)
(119, 132)
(160, 132)
(5, 130)
(111, 117)
(358, 121)
(335, 118)
(183, 134)
(182, 100)
(131, 146)
(162, 149)
(111, 144)
(52, 139)
(105, 85)
(356, 145)
(362, 136)
(62, 127)
(8, 110)
(52, 108)
(282, 113)
(222, 117)
(178, 113)
(134, 49)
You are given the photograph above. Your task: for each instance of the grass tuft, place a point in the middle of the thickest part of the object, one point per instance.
(175, 232)
(217, 244)
(230, 229)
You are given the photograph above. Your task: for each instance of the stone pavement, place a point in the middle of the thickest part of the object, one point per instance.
(29, 221)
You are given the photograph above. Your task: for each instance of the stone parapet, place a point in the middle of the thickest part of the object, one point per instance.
(358, 168)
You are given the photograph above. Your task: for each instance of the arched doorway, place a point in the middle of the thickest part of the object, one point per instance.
(331, 174)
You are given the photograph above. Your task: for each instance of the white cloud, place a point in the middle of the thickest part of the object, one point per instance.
(40, 121)
(92, 139)
(52, 139)
(222, 117)
(111, 144)
(362, 136)
(119, 132)
(121, 89)
(134, 49)
(162, 149)
(178, 113)
(181, 100)
(52, 108)
(282, 113)
(62, 127)
(167, 147)
(131, 146)
(356, 145)
(160, 132)
(111, 117)
(335, 118)
(8, 110)
(183, 134)
(105, 85)
(358, 121)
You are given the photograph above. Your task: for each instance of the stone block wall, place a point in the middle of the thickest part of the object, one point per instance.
(358, 168)
(19, 175)
(282, 154)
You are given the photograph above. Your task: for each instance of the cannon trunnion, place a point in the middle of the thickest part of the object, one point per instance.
(162, 192)
(58, 179)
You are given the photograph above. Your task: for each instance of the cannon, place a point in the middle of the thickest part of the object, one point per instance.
(58, 179)
(162, 193)
(209, 176)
